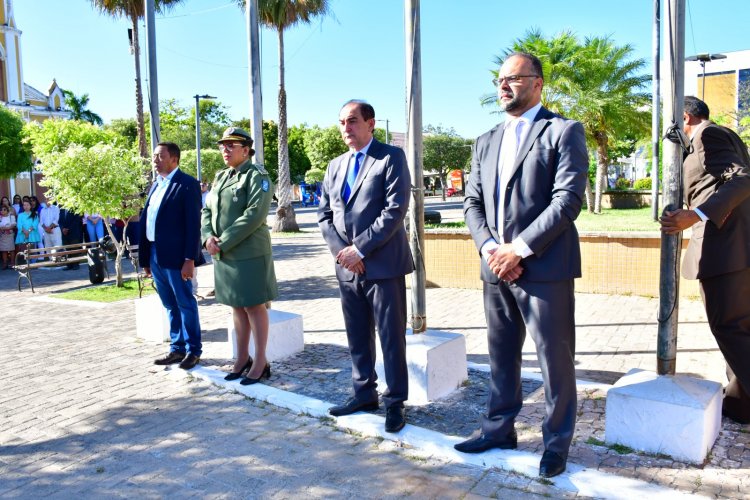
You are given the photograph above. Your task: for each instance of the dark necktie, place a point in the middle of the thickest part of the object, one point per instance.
(351, 178)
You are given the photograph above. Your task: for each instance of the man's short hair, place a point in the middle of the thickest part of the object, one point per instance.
(365, 108)
(696, 107)
(536, 63)
(172, 148)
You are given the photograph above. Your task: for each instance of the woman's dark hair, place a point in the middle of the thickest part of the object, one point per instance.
(19, 198)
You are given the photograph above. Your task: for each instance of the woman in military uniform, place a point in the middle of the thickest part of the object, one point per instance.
(234, 231)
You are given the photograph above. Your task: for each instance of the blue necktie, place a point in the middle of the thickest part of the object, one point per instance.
(351, 178)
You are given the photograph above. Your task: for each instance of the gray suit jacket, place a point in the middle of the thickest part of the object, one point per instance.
(373, 219)
(717, 182)
(544, 196)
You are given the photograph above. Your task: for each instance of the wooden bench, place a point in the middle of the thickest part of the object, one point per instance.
(31, 258)
(139, 274)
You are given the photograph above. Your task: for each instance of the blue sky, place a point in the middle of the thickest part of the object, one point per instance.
(356, 53)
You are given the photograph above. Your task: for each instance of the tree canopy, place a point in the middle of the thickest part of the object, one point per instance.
(78, 106)
(56, 135)
(15, 153)
(445, 150)
(595, 82)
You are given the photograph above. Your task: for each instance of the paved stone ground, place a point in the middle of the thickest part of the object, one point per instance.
(84, 412)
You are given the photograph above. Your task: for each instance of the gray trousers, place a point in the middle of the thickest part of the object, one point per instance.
(547, 311)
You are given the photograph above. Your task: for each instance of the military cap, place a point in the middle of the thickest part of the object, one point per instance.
(236, 134)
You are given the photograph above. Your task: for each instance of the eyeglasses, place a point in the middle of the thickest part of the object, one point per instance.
(511, 79)
(228, 146)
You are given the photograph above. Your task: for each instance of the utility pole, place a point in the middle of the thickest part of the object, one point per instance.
(256, 98)
(414, 158)
(671, 245)
(655, 112)
(387, 132)
(153, 83)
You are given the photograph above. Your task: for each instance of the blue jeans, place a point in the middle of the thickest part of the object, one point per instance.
(176, 295)
(95, 231)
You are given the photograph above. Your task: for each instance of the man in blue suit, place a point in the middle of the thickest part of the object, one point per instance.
(364, 200)
(169, 248)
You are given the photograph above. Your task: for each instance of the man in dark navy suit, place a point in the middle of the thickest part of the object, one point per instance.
(169, 248)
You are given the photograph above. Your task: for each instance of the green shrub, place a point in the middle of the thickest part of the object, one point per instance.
(644, 183)
(622, 183)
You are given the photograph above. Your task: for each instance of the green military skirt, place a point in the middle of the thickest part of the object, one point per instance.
(245, 283)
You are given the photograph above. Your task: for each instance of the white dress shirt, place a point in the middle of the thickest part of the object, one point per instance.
(514, 134)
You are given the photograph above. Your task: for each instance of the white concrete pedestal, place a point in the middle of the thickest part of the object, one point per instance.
(285, 336)
(677, 415)
(151, 319)
(437, 365)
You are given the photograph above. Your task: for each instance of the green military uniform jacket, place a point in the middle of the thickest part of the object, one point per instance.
(236, 210)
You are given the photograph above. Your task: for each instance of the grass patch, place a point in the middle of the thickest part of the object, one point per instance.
(617, 219)
(446, 225)
(106, 293)
(610, 220)
(617, 448)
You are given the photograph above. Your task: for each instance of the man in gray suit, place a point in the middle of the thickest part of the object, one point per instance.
(526, 188)
(717, 194)
(364, 200)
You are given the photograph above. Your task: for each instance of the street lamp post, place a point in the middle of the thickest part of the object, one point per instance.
(703, 59)
(198, 132)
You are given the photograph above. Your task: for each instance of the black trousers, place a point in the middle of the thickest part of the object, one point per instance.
(381, 304)
(727, 301)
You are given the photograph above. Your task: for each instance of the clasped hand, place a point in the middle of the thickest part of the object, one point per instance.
(212, 245)
(350, 260)
(504, 262)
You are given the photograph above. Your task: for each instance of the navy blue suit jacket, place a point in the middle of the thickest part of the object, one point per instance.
(177, 235)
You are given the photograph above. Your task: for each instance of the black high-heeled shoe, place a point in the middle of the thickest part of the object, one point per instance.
(250, 381)
(235, 375)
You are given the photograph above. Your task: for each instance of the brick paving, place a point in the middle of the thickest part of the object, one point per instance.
(84, 412)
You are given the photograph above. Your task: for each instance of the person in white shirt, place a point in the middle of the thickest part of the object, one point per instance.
(49, 220)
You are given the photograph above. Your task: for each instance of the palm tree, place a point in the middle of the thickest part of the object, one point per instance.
(281, 15)
(609, 100)
(134, 10)
(77, 106)
(594, 83)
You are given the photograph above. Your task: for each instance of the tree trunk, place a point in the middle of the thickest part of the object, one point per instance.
(286, 220)
(444, 180)
(601, 170)
(142, 144)
(589, 197)
(120, 251)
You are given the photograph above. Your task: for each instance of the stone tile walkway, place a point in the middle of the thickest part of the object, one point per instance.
(84, 412)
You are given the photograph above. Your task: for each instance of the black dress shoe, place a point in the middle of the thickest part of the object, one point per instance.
(480, 442)
(171, 358)
(250, 381)
(235, 375)
(552, 464)
(395, 419)
(353, 406)
(189, 362)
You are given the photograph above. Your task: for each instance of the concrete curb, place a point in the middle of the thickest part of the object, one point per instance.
(426, 443)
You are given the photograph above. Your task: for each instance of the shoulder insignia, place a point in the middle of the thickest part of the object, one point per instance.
(264, 184)
(261, 169)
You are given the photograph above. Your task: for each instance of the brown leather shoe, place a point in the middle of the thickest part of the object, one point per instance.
(171, 358)
(189, 362)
